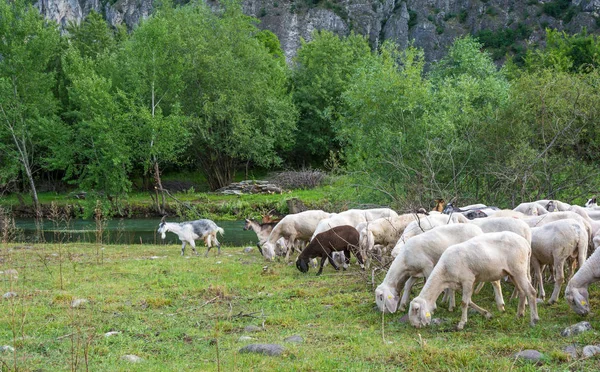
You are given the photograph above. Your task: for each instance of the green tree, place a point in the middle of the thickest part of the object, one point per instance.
(28, 47)
(323, 71)
(235, 96)
(150, 73)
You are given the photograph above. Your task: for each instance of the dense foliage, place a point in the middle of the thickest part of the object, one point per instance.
(205, 89)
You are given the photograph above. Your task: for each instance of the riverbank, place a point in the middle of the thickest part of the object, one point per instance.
(192, 205)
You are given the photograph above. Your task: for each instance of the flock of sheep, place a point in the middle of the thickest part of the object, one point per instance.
(452, 248)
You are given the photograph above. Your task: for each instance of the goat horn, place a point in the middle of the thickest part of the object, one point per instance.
(163, 218)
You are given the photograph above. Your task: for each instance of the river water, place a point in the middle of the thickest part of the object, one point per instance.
(123, 231)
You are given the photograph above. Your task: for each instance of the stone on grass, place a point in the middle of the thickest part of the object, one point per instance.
(8, 295)
(591, 350)
(132, 358)
(571, 350)
(80, 302)
(252, 328)
(112, 333)
(296, 339)
(530, 356)
(245, 338)
(576, 329)
(7, 349)
(265, 349)
(248, 249)
(12, 272)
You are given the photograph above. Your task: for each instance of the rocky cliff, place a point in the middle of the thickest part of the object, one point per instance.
(430, 24)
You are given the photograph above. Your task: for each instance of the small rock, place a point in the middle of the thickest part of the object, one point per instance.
(7, 349)
(328, 306)
(252, 328)
(571, 350)
(295, 339)
(218, 262)
(245, 338)
(8, 295)
(266, 349)
(437, 321)
(248, 249)
(80, 302)
(132, 358)
(530, 355)
(157, 257)
(590, 350)
(112, 333)
(576, 329)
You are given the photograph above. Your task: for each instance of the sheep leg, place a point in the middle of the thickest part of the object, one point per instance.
(467, 289)
(480, 310)
(359, 258)
(526, 290)
(331, 261)
(537, 272)
(498, 295)
(346, 258)
(559, 277)
(214, 238)
(290, 247)
(408, 284)
(323, 262)
(479, 287)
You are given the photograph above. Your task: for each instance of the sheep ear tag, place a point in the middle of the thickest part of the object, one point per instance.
(583, 302)
(428, 314)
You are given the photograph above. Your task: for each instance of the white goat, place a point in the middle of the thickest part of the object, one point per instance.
(299, 226)
(416, 259)
(487, 258)
(190, 231)
(424, 224)
(553, 244)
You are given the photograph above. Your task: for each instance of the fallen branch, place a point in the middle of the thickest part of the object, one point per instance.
(195, 308)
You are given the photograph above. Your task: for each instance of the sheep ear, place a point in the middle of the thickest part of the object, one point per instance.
(391, 303)
(415, 308)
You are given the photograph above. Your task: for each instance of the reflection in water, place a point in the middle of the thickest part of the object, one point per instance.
(125, 231)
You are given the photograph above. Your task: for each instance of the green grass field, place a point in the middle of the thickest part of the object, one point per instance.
(188, 313)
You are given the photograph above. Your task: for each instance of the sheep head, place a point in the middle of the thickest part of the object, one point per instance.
(268, 251)
(578, 299)
(419, 313)
(387, 299)
(302, 265)
(162, 229)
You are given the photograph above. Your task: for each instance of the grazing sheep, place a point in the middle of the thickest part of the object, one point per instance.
(537, 221)
(417, 258)
(552, 244)
(585, 214)
(515, 225)
(554, 205)
(531, 209)
(424, 224)
(487, 258)
(353, 217)
(299, 226)
(385, 231)
(340, 238)
(190, 231)
(576, 293)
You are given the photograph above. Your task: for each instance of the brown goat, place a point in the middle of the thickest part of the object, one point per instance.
(340, 238)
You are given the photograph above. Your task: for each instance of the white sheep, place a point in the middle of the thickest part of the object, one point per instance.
(487, 258)
(424, 224)
(531, 209)
(537, 221)
(293, 227)
(585, 214)
(552, 244)
(576, 292)
(384, 231)
(499, 224)
(553, 205)
(189, 232)
(352, 217)
(417, 259)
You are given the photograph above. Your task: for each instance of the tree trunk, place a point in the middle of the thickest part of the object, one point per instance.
(218, 168)
(160, 207)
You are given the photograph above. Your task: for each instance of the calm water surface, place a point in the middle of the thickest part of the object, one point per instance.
(125, 231)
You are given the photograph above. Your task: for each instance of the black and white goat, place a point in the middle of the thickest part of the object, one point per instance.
(190, 231)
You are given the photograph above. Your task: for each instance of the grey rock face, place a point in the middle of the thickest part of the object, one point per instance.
(266, 349)
(431, 24)
(576, 329)
(252, 328)
(295, 339)
(571, 350)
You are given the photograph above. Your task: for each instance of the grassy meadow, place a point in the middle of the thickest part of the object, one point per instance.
(188, 313)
